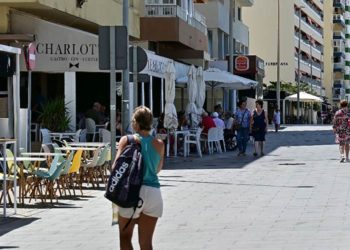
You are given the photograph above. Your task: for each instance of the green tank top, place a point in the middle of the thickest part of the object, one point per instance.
(151, 160)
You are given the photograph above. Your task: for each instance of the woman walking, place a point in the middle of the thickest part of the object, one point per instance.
(341, 130)
(259, 127)
(152, 208)
(242, 124)
(277, 119)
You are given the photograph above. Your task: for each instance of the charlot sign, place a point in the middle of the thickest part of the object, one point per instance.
(58, 48)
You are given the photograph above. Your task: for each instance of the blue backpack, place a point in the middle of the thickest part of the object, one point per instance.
(126, 178)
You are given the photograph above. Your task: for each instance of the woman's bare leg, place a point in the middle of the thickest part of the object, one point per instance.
(147, 224)
(347, 151)
(125, 236)
(256, 148)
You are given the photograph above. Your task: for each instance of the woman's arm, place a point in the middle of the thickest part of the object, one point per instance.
(159, 147)
(123, 142)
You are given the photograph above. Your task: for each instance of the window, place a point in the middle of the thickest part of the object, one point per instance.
(239, 13)
(210, 42)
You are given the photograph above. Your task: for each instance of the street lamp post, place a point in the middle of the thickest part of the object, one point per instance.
(231, 15)
(298, 93)
(278, 84)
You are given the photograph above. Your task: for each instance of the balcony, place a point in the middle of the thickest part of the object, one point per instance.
(316, 13)
(339, 51)
(339, 66)
(171, 9)
(339, 19)
(339, 4)
(178, 32)
(338, 84)
(246, 3)
(338, 35)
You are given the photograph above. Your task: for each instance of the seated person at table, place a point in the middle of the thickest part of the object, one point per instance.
(118, 125)
(207, 123)
(94, 113)
(218, 122)
(160, 125)
(183, 122)
(218, 109)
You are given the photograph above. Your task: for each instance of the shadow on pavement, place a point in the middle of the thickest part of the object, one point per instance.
(230, 160)
(232, 184)
(12, 223)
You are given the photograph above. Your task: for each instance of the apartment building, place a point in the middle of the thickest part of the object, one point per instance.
(338, 66)
(217, 14)
(262, 19)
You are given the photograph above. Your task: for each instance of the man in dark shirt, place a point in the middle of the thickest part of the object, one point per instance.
(94, 113)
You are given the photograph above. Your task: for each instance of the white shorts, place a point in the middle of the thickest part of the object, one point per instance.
(152, 204)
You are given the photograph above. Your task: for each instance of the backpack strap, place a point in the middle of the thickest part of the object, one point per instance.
(131, 218)
(131, 139)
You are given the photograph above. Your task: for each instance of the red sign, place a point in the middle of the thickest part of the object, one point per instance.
(29, 56)
(242, 63)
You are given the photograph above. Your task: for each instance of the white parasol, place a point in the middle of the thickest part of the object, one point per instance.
(200, 98)
(170, 115)
(191, 109)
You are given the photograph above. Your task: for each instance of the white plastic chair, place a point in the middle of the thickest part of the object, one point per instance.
(221, 138)
(193, 139)
(45, 136)
(211, 140)
(91, 127)
(104, 135)
(82, 137)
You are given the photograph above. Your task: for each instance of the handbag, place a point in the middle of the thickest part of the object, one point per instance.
(238, 126)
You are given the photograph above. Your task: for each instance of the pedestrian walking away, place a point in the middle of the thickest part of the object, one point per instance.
(342, 131)
(151, 209)
(259, 127)
(277, 119)
(242, 125)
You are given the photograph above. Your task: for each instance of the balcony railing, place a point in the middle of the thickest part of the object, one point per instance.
(338, 18)
(311, 25)
(314, 9)
(338, 84)
(338, 35)
(164, 8)
(339, 3)
(307, 79)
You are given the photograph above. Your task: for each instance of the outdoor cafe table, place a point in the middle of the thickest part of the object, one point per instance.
(61, 135)
(4, 143)
(21, 174)
(87, 144)
(41, 154)
(78, 148)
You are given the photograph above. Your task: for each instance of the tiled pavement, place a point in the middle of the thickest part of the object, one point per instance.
(295, 197)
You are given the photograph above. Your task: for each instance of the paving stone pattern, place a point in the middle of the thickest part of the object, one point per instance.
(295, 197)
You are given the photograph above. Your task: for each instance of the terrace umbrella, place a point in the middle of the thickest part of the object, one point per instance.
(200, 98)
(170, 115)
(215, 78)
(191, 109)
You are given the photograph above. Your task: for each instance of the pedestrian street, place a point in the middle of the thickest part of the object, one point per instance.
(295, 197)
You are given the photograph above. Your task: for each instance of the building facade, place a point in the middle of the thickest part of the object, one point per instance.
(262, 19)
(329, 36)
(217, 15)
(340, 82)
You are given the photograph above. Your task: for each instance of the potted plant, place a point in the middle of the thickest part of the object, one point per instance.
(55, 116)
